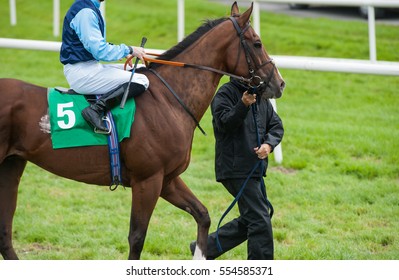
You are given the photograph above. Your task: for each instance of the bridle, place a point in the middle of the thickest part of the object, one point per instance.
(252, 81)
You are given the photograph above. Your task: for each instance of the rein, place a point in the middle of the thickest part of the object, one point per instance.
(189, 65)
(240, 33)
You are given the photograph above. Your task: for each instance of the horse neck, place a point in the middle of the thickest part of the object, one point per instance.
(194, 86)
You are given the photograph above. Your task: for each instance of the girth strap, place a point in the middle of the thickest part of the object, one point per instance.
(114, 155)
(113, 149)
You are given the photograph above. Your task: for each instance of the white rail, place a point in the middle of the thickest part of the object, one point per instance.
(338, 65)
(287, 62)
(350, 3)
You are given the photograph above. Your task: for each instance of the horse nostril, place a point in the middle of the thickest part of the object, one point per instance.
(282, 85)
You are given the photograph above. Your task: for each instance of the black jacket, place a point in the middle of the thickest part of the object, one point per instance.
(235, 132)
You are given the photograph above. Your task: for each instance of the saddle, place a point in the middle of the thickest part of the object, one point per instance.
(91, 98)
(69, 129)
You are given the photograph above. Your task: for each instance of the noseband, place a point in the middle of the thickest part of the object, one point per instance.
(254, 80)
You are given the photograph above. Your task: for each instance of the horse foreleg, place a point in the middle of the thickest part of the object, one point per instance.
(11, 170)
(178, 194)
(145, 195)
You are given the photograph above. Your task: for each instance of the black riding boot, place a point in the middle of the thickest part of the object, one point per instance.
(95, 112)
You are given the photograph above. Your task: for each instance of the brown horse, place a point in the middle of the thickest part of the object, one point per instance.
(158, 150)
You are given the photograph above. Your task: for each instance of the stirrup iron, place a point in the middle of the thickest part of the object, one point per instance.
(107, 132)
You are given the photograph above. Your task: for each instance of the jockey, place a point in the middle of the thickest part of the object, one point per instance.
(83, 47)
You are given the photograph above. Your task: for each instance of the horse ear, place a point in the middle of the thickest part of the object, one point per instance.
(234, 9)
(244, 18)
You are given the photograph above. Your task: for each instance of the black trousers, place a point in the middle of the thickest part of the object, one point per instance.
(253, 224)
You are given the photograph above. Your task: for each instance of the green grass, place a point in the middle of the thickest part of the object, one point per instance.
(336, 195)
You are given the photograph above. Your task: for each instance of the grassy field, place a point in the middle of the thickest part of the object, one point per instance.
(336, 195)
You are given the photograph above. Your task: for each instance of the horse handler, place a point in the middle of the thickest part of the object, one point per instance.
(237, 152)
(83, 47)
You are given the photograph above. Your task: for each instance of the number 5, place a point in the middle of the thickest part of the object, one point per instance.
(62, 111)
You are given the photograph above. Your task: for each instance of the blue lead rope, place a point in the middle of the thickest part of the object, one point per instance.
(259, 164)
(233, 203)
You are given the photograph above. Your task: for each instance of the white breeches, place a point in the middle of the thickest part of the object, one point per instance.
(92, 77)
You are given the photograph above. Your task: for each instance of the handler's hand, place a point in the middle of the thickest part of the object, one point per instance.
(263, 151)
(248, 99)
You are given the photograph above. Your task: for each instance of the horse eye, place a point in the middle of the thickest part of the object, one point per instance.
(258, 44)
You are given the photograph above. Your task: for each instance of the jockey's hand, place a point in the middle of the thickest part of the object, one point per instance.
(138, 52)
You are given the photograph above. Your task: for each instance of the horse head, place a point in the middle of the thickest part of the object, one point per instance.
(252, 63)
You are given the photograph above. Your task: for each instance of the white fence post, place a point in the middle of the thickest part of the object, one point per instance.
(56, 18)
(13, 12)
(372, 39)
(278, 150)
(180, 20)
(256, 16)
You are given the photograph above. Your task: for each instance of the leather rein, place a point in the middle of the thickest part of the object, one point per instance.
(240, 33)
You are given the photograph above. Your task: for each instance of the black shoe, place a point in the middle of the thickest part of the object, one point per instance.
(95, 112)
(93, 115)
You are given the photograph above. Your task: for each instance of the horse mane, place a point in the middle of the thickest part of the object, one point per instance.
(189, 40)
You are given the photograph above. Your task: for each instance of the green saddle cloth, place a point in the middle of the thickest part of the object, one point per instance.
(69, 129)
